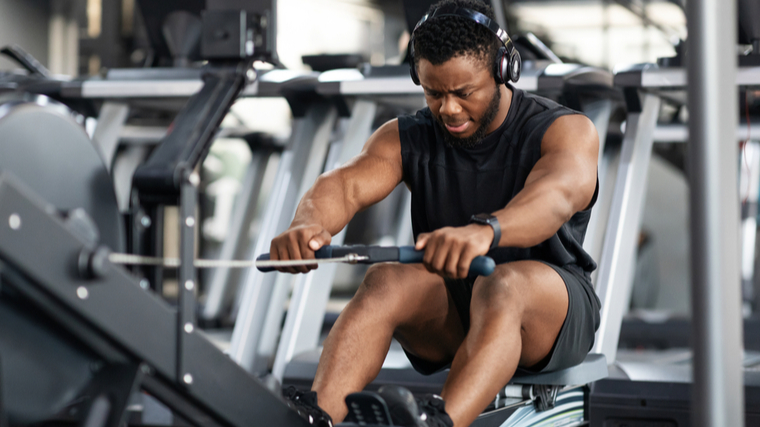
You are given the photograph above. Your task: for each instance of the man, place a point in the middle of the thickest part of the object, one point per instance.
(525, 164)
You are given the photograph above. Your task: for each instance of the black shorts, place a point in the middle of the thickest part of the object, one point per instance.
(575, 339)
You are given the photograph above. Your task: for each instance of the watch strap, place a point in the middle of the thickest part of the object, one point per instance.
(488, 219)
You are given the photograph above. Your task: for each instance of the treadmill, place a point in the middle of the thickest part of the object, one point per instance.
(654, 385)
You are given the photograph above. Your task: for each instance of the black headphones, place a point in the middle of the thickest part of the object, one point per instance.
(508, 62)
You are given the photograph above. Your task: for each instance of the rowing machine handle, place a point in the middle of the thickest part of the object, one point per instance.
(480, 265)
(323, 252)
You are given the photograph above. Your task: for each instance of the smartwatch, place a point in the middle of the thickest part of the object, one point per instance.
(488, 219)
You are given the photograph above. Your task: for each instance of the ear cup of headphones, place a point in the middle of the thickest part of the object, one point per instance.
(515, 66)
(412, 67)
(413, 72)
(501, 71)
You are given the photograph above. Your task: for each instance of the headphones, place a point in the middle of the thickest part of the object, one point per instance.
(508, 62)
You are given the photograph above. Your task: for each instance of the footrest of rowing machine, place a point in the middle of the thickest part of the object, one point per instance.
(593, 368)
(367, 408)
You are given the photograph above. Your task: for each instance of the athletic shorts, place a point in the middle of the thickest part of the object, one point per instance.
(575, 339)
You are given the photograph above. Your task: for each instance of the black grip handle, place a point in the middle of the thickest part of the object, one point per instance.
(480, 266)
(323, 252)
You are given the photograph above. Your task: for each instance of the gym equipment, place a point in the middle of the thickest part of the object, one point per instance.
(528, 400)
(480, 266)
(657, 386)
(27, 122)
(173, 31)
(83, 329)
(96, 336)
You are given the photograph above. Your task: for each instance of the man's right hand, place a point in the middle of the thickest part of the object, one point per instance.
(299, 242)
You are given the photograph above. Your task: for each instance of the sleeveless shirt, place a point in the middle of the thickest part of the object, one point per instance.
(450, 184)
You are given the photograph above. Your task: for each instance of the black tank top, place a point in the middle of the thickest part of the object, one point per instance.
(450, 184)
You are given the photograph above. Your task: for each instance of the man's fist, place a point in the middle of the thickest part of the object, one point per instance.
(299, 242)
(450, 250)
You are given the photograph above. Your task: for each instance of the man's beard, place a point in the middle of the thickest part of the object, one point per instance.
(480, 132)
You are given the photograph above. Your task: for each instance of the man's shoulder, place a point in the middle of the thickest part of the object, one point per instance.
(538, 104)
(422, 117)
(536, 112)
(415, 128)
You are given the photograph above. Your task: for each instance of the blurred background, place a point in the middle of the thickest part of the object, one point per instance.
(77, 37)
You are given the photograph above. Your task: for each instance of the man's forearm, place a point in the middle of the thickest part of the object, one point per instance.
(326, 204)
(534, 215)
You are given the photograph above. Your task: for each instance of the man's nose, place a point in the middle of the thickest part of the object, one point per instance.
(449, 106)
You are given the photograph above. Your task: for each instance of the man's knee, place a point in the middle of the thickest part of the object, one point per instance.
(380, 279)
(384, 286)
(505, 287)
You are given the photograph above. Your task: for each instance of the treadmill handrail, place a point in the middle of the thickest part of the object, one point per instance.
(159, 179)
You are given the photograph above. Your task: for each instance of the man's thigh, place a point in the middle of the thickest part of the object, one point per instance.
(427, 323)
(529, 293)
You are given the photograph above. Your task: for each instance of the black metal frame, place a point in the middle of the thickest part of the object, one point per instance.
(125, 325)
(3, 416)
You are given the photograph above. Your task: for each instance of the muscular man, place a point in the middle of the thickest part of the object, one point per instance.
(481, 147)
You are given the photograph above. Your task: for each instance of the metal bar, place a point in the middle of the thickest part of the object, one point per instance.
(615, 274)
(593, 242)
(107, 133)
(148, 239)
(3, 414)
(674, 78)
(129, 259)
(717, 395)
(273, 326)
(314, 129)
(311, 292)
(599, 112)
(749, 189)
(680, 132)
(141, 89)
(305, 316)
(237, 239)
(187, 274)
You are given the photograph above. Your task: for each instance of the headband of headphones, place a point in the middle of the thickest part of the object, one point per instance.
(508, 61)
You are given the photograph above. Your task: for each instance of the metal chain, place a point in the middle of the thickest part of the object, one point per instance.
(129, 259)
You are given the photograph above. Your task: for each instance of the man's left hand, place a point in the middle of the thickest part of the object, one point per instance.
(450, 250)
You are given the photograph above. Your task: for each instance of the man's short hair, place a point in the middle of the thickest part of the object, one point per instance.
(446, 37)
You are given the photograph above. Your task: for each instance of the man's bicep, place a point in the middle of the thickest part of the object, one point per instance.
(376, 171)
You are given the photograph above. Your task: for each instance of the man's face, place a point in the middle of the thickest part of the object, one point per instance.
(463, 97)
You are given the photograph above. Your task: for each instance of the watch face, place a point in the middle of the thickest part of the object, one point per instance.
(484, 218)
